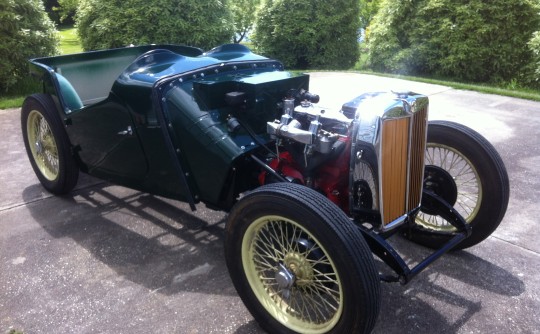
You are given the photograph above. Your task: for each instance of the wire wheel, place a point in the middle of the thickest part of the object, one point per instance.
(467, 182)
(299, 264)
(47, 144)
(43, 145)
(292, 275)
(465, 170)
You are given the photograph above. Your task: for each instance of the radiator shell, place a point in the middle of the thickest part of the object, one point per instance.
(389, 134)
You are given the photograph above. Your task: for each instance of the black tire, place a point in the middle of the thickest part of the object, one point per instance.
(287, 245)
(47, 145)
(471, 176)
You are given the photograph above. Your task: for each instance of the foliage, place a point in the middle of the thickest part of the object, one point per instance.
(243, 14)
(106, 24)
(309, 33)
(61, 11)
(468, 40)
(27, 32)
(66, 9)
(534, 46)
(49, 8)
(15, 95)
(368, 9)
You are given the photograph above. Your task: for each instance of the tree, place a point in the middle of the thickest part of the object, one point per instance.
(49, 9)
(368, 9)
(534, 46)
(26, 32)
(469, 40)
(309, 33)
(66, 10)
(243, 14)
(103, 24)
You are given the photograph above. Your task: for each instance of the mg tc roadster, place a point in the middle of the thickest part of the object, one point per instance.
(312, 194)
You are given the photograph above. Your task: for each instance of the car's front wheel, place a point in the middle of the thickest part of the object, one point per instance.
(299, 264)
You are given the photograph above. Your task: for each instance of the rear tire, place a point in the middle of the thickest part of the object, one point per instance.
(299, 264)
(47, 145)
(463, 168)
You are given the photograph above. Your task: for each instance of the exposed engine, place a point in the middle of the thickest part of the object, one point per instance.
(352, 155)
(313, 146)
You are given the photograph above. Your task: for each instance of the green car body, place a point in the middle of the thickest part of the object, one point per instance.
(156, 118)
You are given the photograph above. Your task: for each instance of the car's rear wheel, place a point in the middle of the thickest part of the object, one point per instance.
(47, 145)
(465, 170)
(299, 264)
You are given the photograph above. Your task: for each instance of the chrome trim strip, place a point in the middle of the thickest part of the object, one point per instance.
(396, 222)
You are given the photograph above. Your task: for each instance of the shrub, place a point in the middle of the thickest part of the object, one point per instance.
(49, 9)
(27, 32)
(104, 24)
(309, 33)
(66, 11)
(534, 73)
(469, 40)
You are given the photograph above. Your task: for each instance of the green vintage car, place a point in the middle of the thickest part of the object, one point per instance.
(312, 193)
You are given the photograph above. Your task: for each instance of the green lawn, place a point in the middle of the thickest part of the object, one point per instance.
(69, 41)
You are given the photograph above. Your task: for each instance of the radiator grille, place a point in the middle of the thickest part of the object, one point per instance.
(394, 162)
(402, 164)
(418, 149)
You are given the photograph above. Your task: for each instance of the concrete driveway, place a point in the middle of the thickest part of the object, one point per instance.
(107, 259)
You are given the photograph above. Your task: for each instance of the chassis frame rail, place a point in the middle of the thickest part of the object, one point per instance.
(387, 253)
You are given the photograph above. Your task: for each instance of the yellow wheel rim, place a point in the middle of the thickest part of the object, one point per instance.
(467, 182)
(42, 145)
(292, 275)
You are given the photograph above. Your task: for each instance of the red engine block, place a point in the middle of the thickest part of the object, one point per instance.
(331, 178)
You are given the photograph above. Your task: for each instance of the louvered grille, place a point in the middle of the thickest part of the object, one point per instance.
(418, 149)
(402, 164)
(394, 162)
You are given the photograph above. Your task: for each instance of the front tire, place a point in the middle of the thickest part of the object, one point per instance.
(463, 168)
(299, 264)
(47, 145)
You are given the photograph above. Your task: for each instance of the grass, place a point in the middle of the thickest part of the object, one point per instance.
(15, 97)
(7, 102)
(69, 41)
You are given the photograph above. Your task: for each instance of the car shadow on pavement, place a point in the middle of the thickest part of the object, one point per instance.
(445, 296)
(163, 246)
(154, 242)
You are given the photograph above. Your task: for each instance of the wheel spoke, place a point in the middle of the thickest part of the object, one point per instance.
(467, 182)
(43, 145)
(313, 297)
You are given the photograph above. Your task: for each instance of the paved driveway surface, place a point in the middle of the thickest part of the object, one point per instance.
(107, 259)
